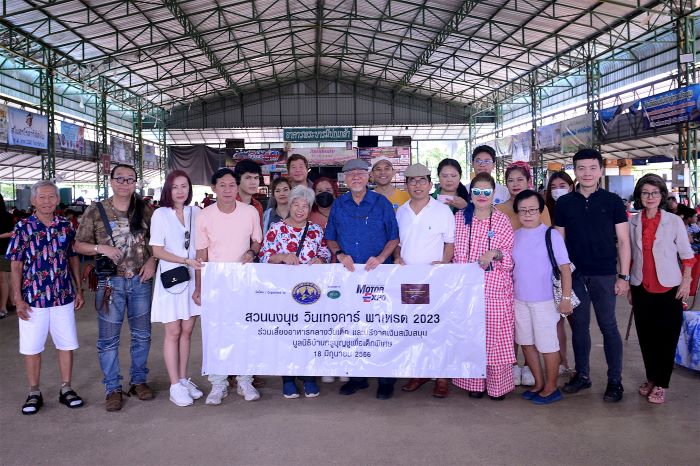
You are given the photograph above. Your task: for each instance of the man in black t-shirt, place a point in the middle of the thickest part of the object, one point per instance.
(594, 224)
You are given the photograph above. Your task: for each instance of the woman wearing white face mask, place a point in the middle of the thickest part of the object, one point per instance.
(559, 183)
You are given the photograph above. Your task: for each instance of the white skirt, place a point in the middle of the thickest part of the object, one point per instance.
(170, 306)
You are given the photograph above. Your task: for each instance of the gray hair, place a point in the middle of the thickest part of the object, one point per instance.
(303, 192)
(42, 184)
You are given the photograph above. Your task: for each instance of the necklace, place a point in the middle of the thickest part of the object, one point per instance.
(489, 235)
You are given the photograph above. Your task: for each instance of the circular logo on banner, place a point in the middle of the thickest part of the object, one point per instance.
(306, 293)
(333, 294)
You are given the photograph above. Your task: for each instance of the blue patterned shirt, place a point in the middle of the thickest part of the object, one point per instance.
(44, 251)
(363, 230)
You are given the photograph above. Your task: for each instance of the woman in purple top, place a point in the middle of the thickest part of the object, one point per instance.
(536, 314)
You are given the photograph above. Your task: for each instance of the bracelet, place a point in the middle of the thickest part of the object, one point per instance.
(96, 247)
(566, 298)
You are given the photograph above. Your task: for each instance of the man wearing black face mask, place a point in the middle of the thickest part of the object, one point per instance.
(326, 191)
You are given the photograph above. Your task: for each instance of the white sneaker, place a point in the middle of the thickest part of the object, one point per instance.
(218, 392)
(247, 390)
(344, 379)
(517, 374)
(179, 395)
(195, 393)
(527, 378)
(327, 379)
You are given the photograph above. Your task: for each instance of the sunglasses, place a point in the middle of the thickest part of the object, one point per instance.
(187, 240)
(482, 192)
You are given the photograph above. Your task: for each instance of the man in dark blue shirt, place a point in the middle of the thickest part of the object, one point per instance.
(362, 229)
(594, 224)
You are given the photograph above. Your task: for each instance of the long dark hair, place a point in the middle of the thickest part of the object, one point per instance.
(166, 194)
(548, 199)
(136, 205)
(462, 190)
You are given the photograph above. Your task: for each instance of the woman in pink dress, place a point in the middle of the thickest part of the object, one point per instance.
(485, 235)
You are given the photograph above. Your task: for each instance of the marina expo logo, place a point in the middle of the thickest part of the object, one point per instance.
(306, 293)
(371, 293)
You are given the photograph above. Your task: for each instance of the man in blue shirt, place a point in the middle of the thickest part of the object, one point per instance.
(44, 267)
(362, 229)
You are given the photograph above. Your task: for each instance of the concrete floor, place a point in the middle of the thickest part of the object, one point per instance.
(332, 429)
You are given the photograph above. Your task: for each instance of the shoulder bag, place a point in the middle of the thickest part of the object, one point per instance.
(104, 266)
(180, 274)
(556, 274)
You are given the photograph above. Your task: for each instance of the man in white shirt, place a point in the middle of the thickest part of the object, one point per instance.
(484, 160)
(427, 235)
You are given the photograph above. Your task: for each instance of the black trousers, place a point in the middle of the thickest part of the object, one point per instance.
(658, 318)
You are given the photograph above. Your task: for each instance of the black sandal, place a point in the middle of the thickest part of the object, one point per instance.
(70, 399)
(33, 404)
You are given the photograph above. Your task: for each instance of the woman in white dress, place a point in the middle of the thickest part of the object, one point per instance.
(172, 241)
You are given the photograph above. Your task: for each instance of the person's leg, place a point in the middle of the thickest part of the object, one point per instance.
(532, 357)
(551, 367)
(110, 317)
(580, 327)
(545, 318)
(171, 350)
(184, 345)
(4, 290)
(139, 313)
(645, 327)
(32, 365)
(601, 290)
(563, 343)
(499, 380)
(669, 320)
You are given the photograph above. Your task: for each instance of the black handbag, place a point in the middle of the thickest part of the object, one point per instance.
(104, 266)
(180, 274)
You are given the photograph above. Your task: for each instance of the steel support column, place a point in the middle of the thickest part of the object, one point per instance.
(500, 162)
(536, 159)
(163, 160)
(138, 145)
(46, 85)
(101, 149)
(687, 133)
(593, 99)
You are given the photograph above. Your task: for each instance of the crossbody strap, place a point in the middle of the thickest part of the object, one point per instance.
(105, 220)
(550, 252)
(303, 237)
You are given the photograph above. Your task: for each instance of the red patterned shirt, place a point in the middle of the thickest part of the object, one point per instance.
(282, 238)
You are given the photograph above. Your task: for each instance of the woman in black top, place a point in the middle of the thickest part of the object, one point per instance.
(7, 224)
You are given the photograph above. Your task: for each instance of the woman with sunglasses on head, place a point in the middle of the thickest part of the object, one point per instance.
(451, 190)
(172, 241)
(485, 235)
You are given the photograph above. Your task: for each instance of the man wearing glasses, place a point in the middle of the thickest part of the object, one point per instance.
(427, 236)
(122, 235)
(362, 229)
(484, 161)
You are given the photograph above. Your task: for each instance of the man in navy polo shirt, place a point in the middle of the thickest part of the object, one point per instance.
(594, 224)
(362, 229)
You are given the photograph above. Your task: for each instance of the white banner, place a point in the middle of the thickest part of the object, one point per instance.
(549, 137)
(27, 129)
(324, 156)
(522, 146)
(394, 321)
(72, 137)
(3, 124)
(122, 151)
(576, 133)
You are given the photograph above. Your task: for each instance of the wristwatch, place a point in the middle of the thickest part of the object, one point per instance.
(623, 277)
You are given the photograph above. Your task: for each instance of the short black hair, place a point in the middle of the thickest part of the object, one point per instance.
(484, 148)
(247, 166)
(527, 194)
(124, 165)
(221, 172)
(657, 182)
(295, 157)
(588, 154)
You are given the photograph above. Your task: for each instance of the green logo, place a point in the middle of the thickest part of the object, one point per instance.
(333, 294)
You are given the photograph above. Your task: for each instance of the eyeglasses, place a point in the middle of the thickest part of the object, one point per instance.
(122, 180)
(529, 211)
(483, 162)
(652, 194)
(187, 240)
(482, 192)
(417, 181)
(356, 174)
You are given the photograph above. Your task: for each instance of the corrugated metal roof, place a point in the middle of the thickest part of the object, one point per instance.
(454, 50)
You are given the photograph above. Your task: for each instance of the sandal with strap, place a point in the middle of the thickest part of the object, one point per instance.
(33, 404)
(70, 399)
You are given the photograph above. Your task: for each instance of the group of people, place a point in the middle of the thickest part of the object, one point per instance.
(505, 229)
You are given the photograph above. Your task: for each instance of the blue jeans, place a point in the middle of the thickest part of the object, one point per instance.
(599, 290)
(132, 297)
